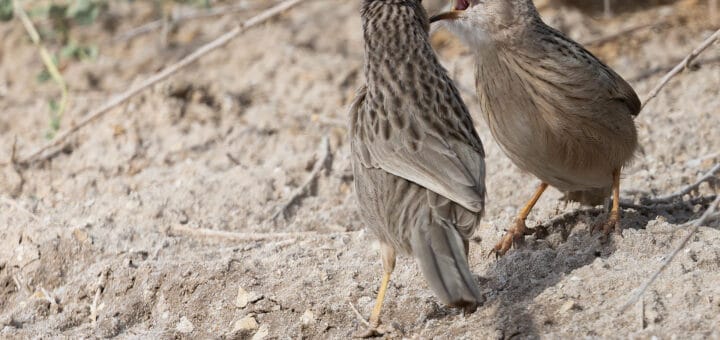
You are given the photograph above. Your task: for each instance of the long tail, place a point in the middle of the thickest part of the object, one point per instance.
(440, 251)
(590, 197)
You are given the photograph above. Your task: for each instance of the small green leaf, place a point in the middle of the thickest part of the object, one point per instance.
(43, 76)
(84, 12)
(54, 107)
(6, 10)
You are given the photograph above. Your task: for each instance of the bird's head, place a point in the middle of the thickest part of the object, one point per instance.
(479, 22)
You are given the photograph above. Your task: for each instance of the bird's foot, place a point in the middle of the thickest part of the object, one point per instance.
(607, 227)
(371, 332)
(514, 237)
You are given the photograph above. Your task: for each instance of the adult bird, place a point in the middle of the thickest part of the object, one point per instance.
(417, 160)
(555, 109)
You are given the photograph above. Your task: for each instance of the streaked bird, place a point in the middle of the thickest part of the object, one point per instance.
(554, 108)
(417, 160)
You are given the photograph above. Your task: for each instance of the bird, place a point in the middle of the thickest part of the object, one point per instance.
(418, 162)
(555, 109)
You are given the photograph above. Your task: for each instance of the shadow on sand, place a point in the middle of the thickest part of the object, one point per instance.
(558, 248)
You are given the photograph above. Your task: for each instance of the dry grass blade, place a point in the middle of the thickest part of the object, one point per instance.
(157, 24)
(45, 56)
(621, 33)
(709, 176)
(705, 216)
(681, 66)
(42, 152)
(18, 207)
(245, 237)
(324, 155)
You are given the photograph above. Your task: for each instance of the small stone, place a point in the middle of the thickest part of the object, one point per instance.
(242, 299)
(261, 333)
(80, 235)
(247, 323)
(567, 306)
(308, 318)
(185, 326)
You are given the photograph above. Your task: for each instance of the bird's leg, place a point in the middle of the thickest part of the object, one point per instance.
(517, 232)
(613, 221)
(388, 260)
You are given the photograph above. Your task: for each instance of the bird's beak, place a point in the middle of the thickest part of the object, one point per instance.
(458, 6)
(451, 15)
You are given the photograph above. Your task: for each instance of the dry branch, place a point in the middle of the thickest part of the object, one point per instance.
(612, 36)
(709, 176)
(42, 152)
(358, 315)
(18, 207)
(177, 18)
(324, 155)
(681, 66)
(709, 212)
(245, 237)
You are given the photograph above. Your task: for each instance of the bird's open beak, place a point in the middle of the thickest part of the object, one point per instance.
(458, 7)
(451, 15)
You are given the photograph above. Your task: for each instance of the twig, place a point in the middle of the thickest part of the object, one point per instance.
(323, 158)
(39, 154)
(612, 36)
(18, 207)
(358, 315)
(47, 297)
(709, 176)
(235, 236)
(681, 66)
(177, 18)
(46, 59)
(20, 285)
(696, 225)
(98, 292)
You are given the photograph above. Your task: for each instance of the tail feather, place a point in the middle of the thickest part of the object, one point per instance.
(591, 197)
(440, 252)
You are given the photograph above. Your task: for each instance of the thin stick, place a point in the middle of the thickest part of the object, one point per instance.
(681, 66)
(47, 296)
(302, 190)
(709, 176)
(40, 153)
(98, 292)
(156, 24)
(18, 207)
(46, 59)
(235, 236)
(623, 32)
(358, 315)
(20, 286)
(696, 225)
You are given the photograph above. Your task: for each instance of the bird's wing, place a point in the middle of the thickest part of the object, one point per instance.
(438, 150)
(584, 80)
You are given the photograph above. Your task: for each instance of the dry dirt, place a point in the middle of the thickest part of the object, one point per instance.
(95, 242)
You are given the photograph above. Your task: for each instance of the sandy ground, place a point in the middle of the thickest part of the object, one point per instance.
(95, 241)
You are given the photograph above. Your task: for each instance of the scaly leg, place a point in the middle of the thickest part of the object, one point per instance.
(388, 259)
(515, 234)
(613, 221)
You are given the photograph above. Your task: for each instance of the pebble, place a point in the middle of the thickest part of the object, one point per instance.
(242, 299)
(261, 333)
(567, 306)
(247, 323)
(185, 326)
(308, 318)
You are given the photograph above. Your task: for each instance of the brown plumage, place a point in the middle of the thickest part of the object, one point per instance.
(554, 108)
(417, 160)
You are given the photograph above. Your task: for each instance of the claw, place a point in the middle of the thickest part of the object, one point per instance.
(610, 225)
(514, 237)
